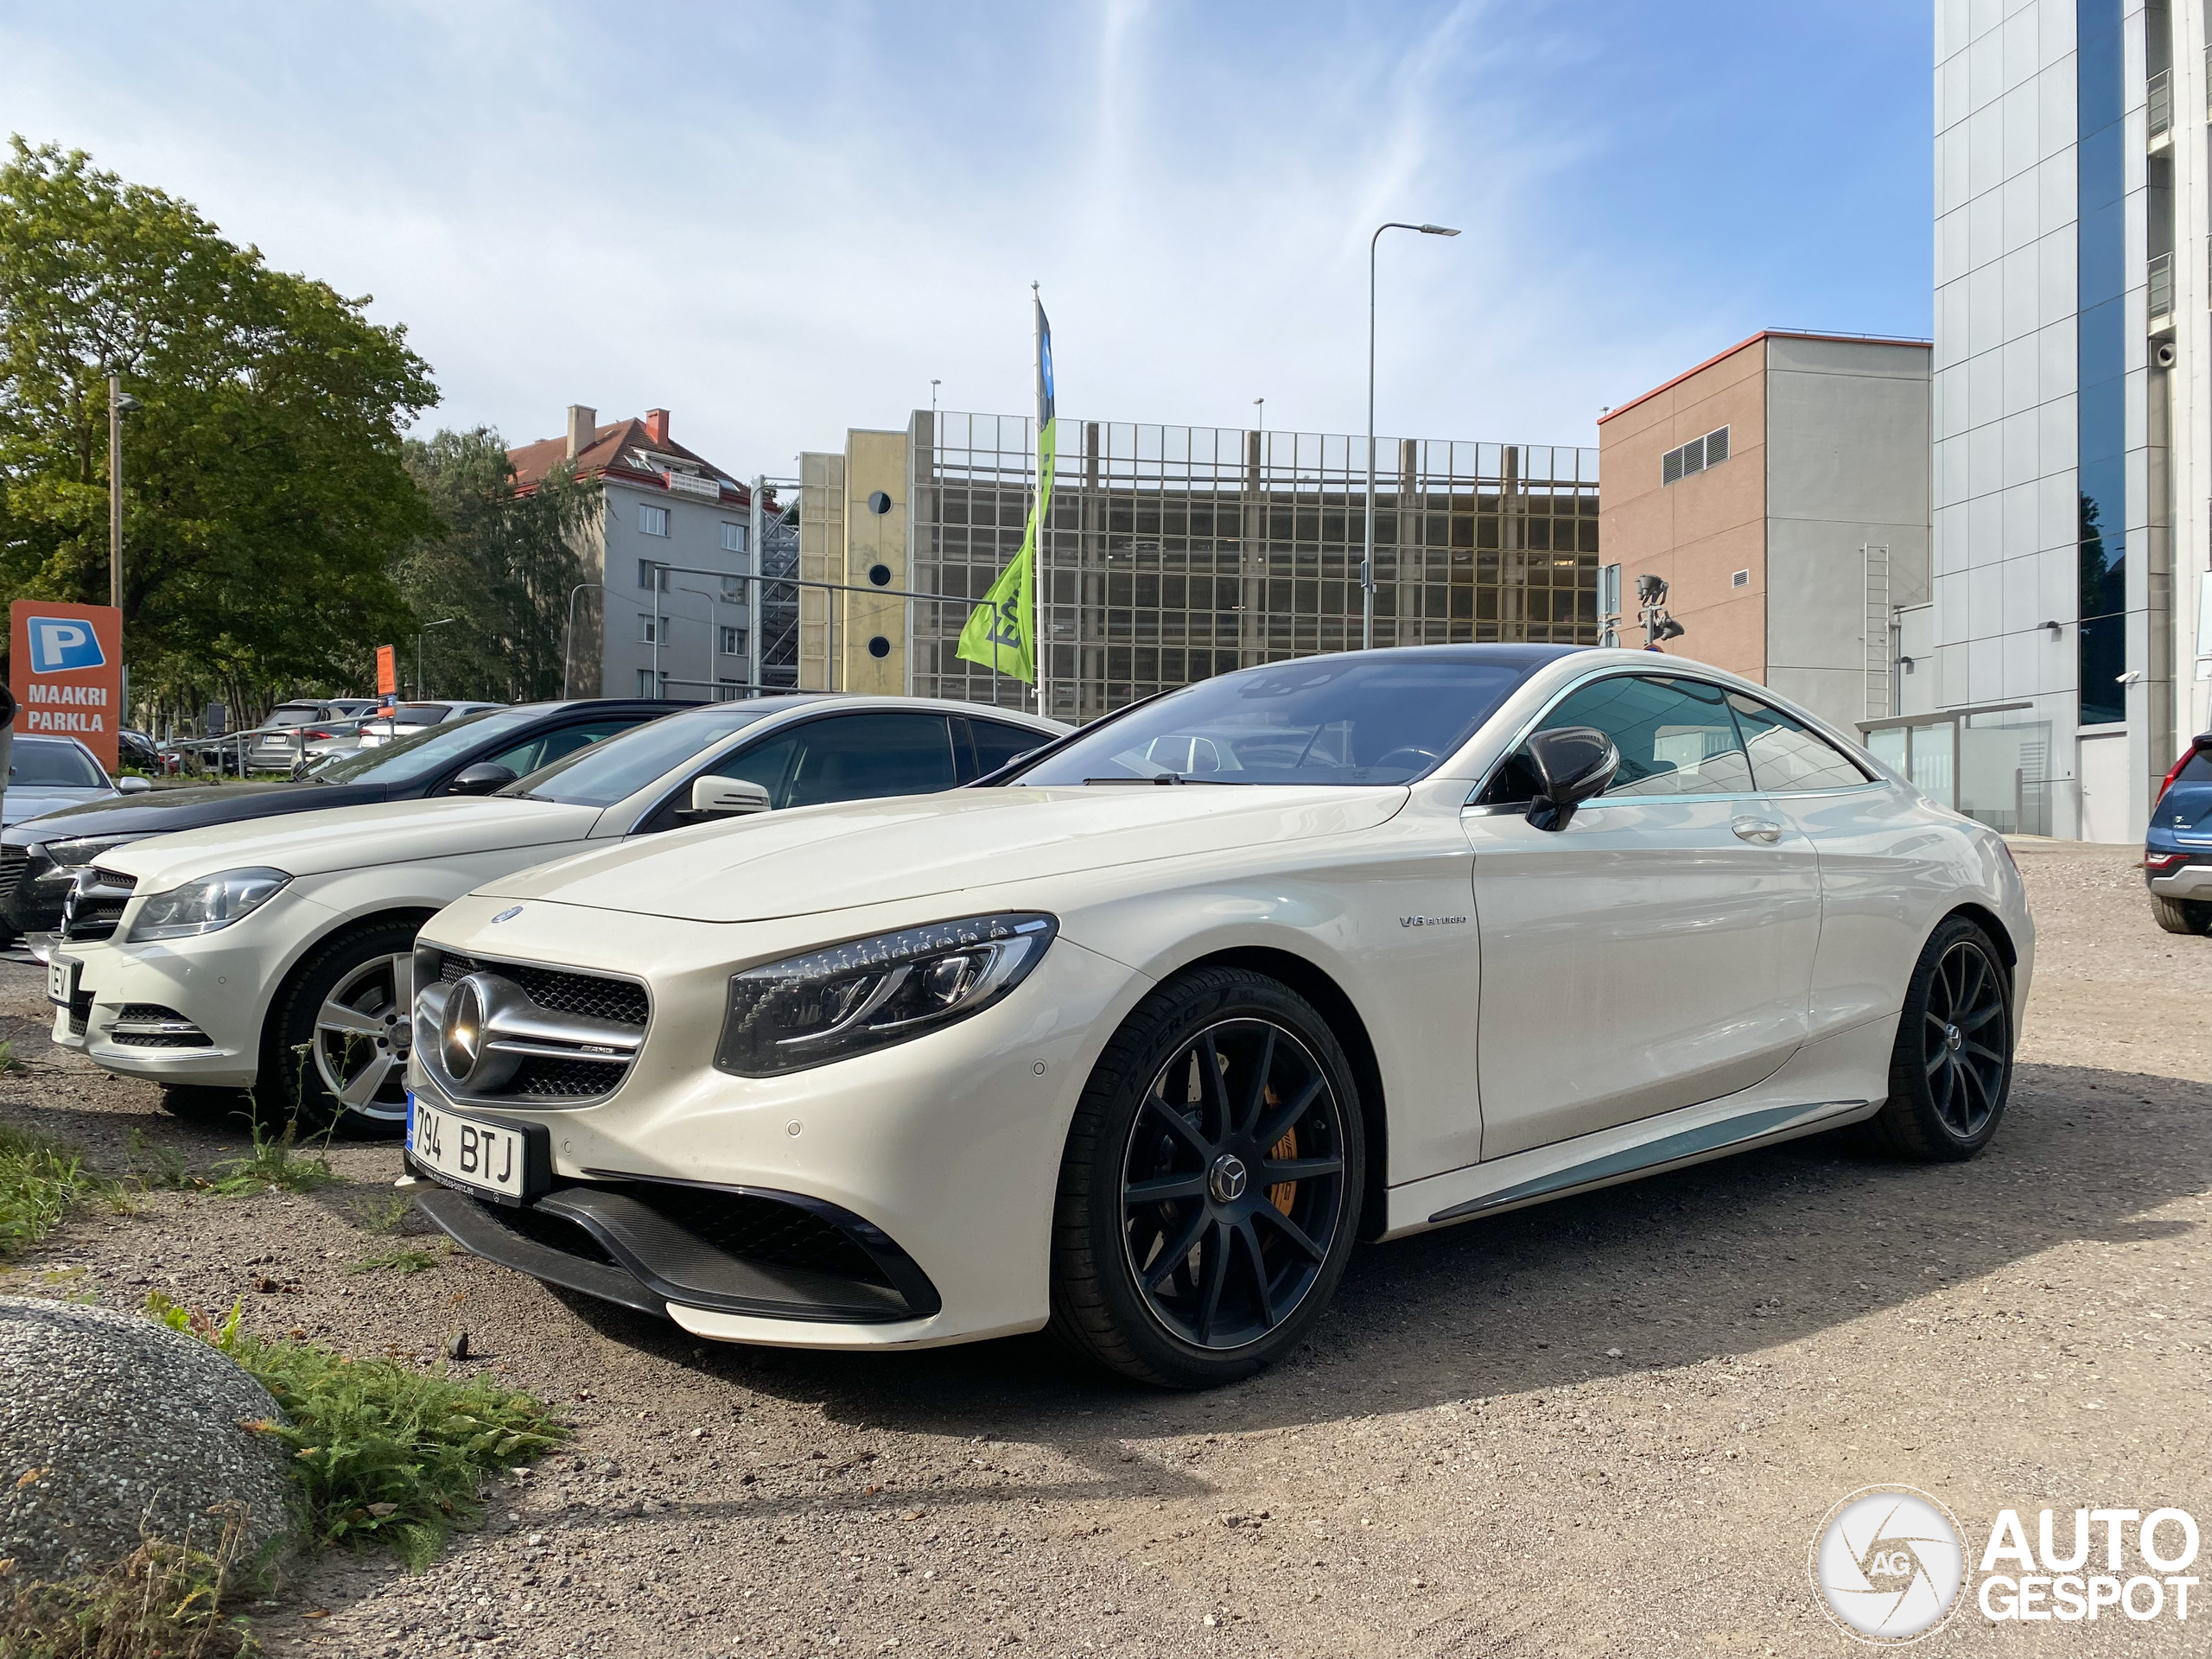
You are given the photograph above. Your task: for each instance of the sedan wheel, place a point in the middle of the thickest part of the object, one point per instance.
(1951, 1070)
(1210, 1189)
(335, 1048)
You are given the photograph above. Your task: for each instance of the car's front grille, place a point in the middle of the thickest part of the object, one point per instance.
(13, 859)
(549, 1079)
(81, 1012)
(149, 1025)
(761, 1229)
(560, 989)
(96, 904)
(556, 1233)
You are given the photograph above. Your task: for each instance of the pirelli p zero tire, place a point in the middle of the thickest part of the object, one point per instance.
(1951, 1071)
(334, 1051)
(1209, 1192)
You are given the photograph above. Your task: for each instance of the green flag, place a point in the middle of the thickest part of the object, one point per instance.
(1001, 631)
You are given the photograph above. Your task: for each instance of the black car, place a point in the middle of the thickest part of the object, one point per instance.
(41, 856)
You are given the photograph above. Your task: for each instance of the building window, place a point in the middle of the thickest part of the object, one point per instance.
(2101, 350)
(727, 691)
(733, 538)
(732, 641)
(645, 628)
(653, 521)
(646, 685)
(1609, 604)
(1694, 456)
(653, 577)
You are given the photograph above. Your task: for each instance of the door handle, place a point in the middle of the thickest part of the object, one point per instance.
(1763, 830)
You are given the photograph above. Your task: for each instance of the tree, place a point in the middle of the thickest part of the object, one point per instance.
(265, 500)
(501, 562)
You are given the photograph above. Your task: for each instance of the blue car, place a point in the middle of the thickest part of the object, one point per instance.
(2178, 850)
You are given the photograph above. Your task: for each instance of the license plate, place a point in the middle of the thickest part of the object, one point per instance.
(60, 980)
(466, 1150)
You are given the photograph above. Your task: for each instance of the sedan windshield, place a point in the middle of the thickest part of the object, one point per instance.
(36, 763)
(605, 773)
(410, 759)
(1341, 718)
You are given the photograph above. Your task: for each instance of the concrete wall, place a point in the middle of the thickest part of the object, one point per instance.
(877, 464)
(694, 538)
(1696, 533)
(821, 558)
(1847, 466)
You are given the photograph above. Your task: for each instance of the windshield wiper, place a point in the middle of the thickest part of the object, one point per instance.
(1172, 778)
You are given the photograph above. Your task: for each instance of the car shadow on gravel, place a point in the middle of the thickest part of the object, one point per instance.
(1724, 1259)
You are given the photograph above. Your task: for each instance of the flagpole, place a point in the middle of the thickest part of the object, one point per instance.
(1043, 642)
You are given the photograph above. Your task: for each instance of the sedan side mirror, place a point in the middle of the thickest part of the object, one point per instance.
(724, 797)
(482, 779)
(133, 785)
(1572, 763)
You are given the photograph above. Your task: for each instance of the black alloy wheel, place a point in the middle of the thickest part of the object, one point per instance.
(1210, 1191)
(1951, 1070)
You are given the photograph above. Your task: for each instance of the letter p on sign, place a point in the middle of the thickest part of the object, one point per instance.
(59, 645)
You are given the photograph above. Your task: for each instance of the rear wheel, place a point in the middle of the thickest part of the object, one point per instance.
(1951, 1071)
(2181, 915)
(335, 1049)
(1209, 1191)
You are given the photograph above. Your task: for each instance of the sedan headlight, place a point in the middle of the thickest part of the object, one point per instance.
(866, 994)
(75, 855)
(202, 906)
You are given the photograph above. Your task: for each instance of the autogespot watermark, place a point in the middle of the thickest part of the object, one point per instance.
(1891, 1565)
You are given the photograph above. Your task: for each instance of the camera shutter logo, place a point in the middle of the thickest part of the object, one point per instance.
(1889, 1563)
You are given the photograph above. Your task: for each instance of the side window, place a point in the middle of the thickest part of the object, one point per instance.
(995, 745)
(768, 765)
(1675, 738)
(1786, 758)
(856, 757)
(547, 746)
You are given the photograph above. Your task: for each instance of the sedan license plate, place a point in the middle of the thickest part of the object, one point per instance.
(467, 1151)
(60, 980)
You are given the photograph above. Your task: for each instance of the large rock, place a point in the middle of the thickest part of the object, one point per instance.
(113, 1427)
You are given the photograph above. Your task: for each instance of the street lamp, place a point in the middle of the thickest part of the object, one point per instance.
(1367, 558)
(418, 652)
(568, 637)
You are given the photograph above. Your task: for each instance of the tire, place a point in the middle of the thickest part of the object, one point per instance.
(1951, 1070)
(2181, 915)
(341, 1022)
(1143, 1180)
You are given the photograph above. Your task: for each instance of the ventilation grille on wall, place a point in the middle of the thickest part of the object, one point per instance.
(1694, 456)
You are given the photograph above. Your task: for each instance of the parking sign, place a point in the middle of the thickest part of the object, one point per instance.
(65, 668)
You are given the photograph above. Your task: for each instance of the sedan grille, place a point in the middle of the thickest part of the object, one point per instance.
(552, 1037)
(149, 1025)
(12, 862)
(560, 989)
(96, 904)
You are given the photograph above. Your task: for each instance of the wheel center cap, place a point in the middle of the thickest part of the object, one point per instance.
(1954, 1039)
(1228, 1179)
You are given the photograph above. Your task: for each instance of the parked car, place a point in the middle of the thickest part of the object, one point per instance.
(38, 864)
(278, 749)
(2177, 847)
(1138, 1040)
(137, 749)
(48, 773)
(411, 717)
(228, 951)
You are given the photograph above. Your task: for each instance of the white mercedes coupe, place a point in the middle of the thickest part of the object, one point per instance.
(276, 954)
(1136, 1037)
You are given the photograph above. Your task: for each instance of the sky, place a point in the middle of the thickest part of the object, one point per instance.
(782, 220)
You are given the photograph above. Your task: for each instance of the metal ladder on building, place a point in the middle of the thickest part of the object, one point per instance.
(1881, 665)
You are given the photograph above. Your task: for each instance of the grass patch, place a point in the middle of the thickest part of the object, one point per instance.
(381, 1452)
(388, 1214)
(399, 1258)
(40, 1181)
(161, 1601)
(157, 1166)
(275, 1165)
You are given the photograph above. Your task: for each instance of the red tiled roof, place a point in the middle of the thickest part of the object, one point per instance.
(606, 453)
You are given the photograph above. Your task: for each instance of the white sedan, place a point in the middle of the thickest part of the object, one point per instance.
(275, 953)
(1137, 1039)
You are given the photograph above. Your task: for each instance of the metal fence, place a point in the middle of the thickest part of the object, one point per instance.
(1174, 553)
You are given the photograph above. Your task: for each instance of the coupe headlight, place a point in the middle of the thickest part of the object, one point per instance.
(75, 855)
(846, 999)
(204, 905)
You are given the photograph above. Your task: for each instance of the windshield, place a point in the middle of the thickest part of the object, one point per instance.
(36, 765)
(293, 714)
(1321, 720)
(410, 759)
(606, 771)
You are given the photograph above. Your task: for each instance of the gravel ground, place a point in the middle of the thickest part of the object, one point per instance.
(1606, 1426)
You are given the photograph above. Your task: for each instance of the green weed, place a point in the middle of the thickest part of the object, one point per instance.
(161, 1601)
(399, 1258)
(387, 1214)
(40, 1181)
(274, 1166)
(381, 1452)
(157, 1166)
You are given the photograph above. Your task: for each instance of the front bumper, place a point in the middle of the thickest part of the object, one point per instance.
(949, 1145)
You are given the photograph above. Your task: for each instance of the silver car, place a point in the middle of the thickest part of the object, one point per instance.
(47, 773)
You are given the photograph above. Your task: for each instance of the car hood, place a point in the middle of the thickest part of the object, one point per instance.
(797, 863)
(30, 803)
(355, 837)
(162, 811)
